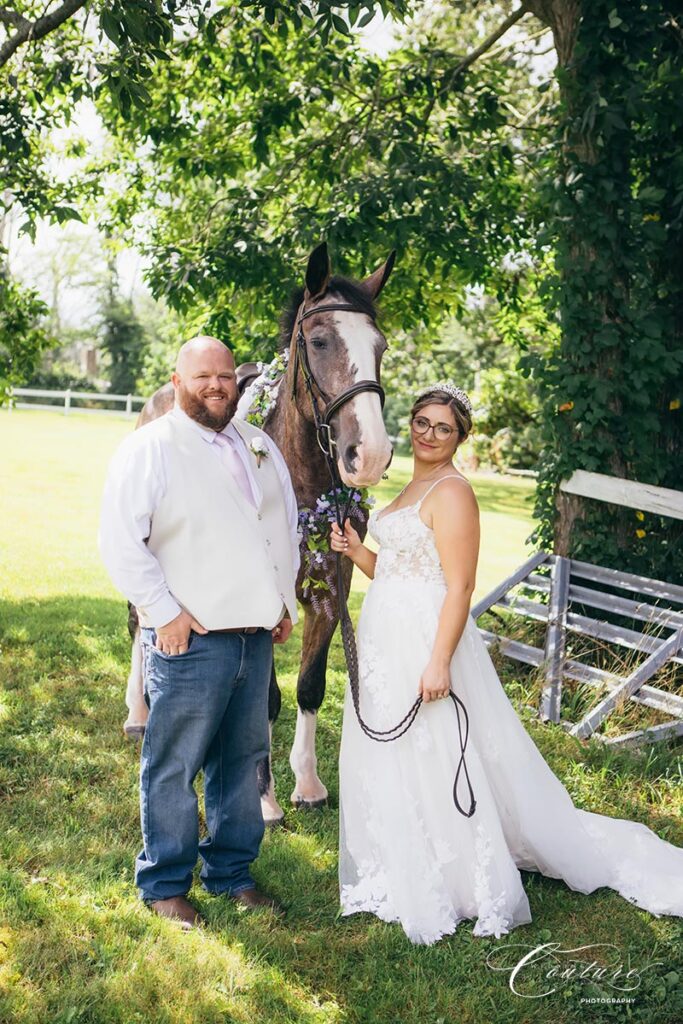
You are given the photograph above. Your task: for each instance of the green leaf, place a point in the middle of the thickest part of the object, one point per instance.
(340, 25)
(65, 213)
(140, 28)
(111, 27)
(139, 93)
(651, 194)
(28, 227)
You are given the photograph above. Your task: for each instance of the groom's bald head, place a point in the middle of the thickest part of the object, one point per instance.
(201, 350)
(205, 382)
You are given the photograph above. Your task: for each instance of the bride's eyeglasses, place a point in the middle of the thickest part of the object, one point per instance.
(442, 431)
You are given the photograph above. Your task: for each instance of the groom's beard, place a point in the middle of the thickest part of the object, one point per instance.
(198, 409)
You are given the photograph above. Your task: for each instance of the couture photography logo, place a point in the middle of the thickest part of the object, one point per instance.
(600, 968)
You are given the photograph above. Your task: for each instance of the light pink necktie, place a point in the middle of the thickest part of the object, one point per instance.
(235, 465)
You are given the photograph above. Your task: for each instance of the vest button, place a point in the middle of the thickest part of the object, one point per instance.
(259, 516)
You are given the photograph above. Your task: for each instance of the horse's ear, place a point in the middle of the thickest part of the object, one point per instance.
(317, 272)
(376, 281)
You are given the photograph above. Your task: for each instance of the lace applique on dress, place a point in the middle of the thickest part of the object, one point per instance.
(491, 919)
(422, 736)
(373, 685)
(370, 893)
(407, 549)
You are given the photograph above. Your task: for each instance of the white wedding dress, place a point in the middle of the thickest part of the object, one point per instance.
(406, 853)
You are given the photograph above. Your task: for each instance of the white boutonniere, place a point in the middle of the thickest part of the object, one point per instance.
(259, 448)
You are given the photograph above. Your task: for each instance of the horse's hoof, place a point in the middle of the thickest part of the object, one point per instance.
(276, 823)
(134, 732)
(309, 805)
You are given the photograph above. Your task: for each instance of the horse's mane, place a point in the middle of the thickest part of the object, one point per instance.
(350, 291)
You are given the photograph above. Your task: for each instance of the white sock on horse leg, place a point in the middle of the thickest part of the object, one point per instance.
(135, 701)
(303, 760)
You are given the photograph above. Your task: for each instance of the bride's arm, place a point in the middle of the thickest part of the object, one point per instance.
(455, 522)
(351, 545)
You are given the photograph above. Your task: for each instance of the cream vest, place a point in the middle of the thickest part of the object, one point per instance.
(226, 562)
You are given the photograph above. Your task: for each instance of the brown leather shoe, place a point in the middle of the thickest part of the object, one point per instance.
(177, 908)
(254, 899)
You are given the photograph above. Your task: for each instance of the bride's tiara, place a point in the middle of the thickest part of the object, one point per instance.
(450, 389)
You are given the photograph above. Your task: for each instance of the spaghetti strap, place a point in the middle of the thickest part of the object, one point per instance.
(451, 476)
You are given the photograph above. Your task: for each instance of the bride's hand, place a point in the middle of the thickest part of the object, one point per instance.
(348, 542)
(435, 682)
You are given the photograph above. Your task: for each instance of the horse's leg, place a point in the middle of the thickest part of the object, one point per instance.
(309, 791)
(273, 814)
(134, 726)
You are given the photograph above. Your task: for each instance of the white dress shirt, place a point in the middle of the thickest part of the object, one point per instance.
(136, 483)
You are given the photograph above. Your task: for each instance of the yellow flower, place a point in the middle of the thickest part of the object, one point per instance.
(640, 534)
(640, 516)
(675, 403)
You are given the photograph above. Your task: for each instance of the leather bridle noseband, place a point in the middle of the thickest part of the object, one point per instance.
(327, 443)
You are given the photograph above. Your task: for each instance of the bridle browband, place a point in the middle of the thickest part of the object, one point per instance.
(327, 443)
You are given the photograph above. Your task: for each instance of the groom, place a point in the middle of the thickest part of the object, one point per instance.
(198, 531)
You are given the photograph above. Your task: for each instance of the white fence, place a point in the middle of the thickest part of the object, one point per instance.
(63, 400)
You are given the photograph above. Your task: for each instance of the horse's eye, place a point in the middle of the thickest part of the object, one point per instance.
(319, 343)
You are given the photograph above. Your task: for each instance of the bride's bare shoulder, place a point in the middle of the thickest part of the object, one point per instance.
(454, 492)
(455, 487)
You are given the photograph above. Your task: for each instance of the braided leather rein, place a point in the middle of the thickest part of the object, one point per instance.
(327, 445)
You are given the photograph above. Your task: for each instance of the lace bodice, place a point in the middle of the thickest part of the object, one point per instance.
(406, 546)
(407, 549)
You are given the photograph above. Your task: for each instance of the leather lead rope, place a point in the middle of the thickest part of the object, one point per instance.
(327, 443)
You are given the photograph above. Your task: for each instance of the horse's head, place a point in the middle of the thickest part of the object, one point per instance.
(336, 344)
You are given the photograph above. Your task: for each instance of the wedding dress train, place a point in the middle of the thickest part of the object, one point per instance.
(406, 853)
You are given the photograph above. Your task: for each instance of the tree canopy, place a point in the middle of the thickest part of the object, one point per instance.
(245, 132)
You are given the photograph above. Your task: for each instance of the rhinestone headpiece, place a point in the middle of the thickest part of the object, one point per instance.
(450, 389)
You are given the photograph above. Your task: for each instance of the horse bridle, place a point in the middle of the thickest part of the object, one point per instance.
(323, 427)
(327, 443)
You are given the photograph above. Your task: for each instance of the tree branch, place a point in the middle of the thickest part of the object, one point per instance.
(511, 20)
(532, 37)
(9, 17)
(30, 31)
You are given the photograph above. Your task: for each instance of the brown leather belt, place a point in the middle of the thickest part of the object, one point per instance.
(238, 629)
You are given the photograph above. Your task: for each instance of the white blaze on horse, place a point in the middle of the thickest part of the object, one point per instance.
(332, 376)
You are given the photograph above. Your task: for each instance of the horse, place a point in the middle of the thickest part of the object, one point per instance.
(334, 348)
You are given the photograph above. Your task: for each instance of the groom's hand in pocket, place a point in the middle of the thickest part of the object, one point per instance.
(283, 630)
(172, 638)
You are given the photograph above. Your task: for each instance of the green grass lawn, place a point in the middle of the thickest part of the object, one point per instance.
(76, 945)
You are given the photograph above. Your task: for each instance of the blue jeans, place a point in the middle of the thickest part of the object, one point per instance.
(208, 708)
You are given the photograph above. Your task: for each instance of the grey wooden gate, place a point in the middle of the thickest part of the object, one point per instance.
(571, 596)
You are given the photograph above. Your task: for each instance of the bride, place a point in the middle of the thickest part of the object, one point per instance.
(409, 852)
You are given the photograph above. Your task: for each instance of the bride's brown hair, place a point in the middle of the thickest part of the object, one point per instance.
(463, 420)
